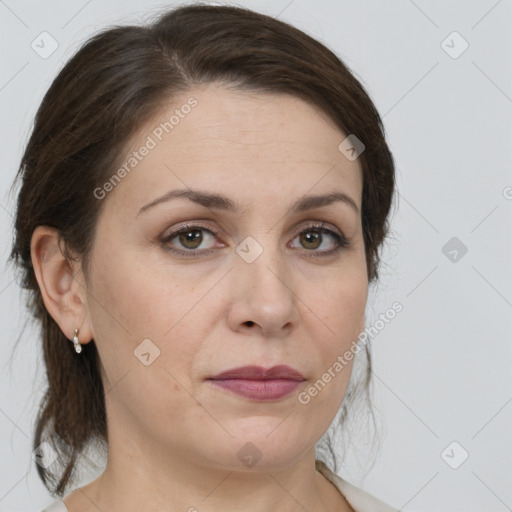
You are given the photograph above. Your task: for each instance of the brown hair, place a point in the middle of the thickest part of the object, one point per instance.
(115, 83)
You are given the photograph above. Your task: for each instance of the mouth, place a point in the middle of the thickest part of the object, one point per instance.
(258, 383)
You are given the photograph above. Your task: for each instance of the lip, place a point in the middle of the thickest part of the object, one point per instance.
(259, 373)
(258, 383)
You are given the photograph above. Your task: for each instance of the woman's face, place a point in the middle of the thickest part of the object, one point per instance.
(255, 285)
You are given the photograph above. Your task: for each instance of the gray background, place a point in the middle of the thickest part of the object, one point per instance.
(442, 366)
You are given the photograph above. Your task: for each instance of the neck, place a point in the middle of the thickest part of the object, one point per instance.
(145, 477)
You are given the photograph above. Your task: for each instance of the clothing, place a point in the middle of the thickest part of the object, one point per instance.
(358, 499)
(56, 506)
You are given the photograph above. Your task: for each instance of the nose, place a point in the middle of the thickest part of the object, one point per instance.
(262, 296)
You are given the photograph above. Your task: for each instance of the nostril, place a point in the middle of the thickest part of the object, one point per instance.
(250, 323)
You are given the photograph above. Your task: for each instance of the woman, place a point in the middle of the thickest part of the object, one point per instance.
(202, 205)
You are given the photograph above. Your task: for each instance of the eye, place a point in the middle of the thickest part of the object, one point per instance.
(313, 237)
(190, 237)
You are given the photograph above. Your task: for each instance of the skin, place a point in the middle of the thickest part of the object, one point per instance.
(173, 437)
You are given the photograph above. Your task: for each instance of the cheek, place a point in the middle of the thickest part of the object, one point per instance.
(145, 331)
(133, 298)
(344, 315)
(341, 304)
(136, 311)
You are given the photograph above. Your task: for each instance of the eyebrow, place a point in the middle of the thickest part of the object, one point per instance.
(221, 202)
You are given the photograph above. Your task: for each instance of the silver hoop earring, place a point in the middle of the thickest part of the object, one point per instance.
(78, 347)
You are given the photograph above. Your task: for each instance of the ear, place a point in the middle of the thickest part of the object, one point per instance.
(62, 285)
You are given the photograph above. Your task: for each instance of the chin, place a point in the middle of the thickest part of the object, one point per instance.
(271, 447)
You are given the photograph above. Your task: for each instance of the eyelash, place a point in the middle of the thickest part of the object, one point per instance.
(341, 240)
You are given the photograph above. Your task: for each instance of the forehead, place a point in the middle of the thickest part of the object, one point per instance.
(220, 139)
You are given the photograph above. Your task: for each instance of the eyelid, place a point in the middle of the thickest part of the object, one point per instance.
(317, 224)
(313, 224)
(189, 226)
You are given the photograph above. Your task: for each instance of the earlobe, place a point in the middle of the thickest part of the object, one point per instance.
(59, 281)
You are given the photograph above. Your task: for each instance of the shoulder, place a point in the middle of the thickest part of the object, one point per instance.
(359, 500)
(56, 506)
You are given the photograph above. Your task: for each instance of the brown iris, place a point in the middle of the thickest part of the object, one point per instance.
(311, 237)
(193, 236)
